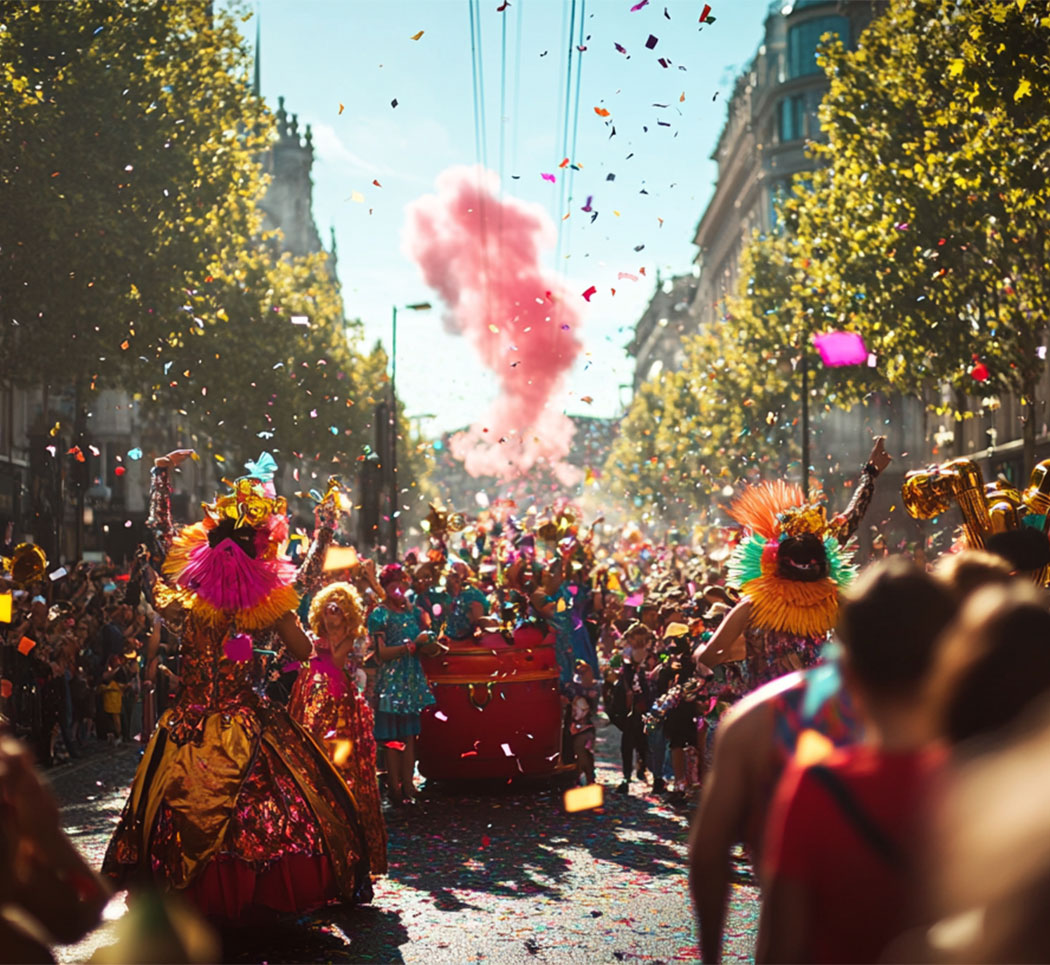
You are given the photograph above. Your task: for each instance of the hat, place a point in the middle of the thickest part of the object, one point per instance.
(38, 599)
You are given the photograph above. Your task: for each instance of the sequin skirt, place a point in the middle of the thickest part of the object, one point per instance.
(242, 812)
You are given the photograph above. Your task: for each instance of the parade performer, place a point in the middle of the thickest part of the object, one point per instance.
(398, 629)
(234, 804)
(327, 700)
(465, 606)
(789, 568)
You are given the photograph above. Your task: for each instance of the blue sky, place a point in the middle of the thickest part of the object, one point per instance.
(320, 54)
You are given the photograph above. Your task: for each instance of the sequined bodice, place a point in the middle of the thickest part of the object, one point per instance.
(210, 681)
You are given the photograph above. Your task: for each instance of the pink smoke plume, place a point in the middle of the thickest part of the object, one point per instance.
(482, 255)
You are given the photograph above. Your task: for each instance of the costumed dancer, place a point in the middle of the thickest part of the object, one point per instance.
(398, 629)
(789, 569)
(233, 803)
(327, 700)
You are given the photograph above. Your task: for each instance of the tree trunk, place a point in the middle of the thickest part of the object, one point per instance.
(959, 446)
(1029, 426)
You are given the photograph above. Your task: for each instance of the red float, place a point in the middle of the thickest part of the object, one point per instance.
(498, 712)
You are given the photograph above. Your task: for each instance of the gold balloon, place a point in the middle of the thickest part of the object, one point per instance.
(1003, 516)
(28, 564)
(929, 492)
(1036, 497)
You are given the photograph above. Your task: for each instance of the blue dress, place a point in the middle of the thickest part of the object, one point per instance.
(457, 611)
(561, 623)
(401, 686)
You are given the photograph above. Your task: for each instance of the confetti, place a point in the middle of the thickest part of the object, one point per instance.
(841, 348)
(340, 558)
(25, 645)
(705, 13)
(549, 177)
(6, 601)
(6, 689)
(590, 291)
(584, 798)
(393, 103)
(416, 35)
(601, 112)
(638, 6)
(135, 454)
(651, 42)
(342, 108)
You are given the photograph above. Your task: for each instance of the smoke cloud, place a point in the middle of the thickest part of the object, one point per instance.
(482, 255)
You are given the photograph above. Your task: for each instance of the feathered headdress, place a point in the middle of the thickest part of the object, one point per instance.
(229, 565)
(789, 565)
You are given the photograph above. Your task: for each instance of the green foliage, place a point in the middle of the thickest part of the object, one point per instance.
(130, 248)
(928, 230)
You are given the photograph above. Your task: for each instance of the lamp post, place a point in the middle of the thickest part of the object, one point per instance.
(393, 502)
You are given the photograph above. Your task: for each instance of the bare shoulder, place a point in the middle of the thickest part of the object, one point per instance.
(753, 715)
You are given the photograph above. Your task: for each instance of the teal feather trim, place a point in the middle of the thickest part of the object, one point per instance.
(841, 567)
(746, 562)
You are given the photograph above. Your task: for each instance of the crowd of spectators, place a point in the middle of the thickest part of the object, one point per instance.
(83, 660)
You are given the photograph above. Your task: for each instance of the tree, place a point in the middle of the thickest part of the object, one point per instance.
(929, 228)
(129, 175)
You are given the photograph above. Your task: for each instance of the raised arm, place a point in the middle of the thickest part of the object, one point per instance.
(159, 520)
(845, 524)
(326, 519)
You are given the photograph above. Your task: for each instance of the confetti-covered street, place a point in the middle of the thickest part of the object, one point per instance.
(495, 875)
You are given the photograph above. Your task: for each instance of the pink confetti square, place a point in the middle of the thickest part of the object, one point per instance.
(841, 348)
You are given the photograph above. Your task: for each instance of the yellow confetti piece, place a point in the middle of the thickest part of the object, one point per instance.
(416, 36)
(341, 751)
(357, 196)
(584, 798)
(340, 558)
(956, 67)
(812, 748)
(5, 607)
(1023, 89)
(493, 328)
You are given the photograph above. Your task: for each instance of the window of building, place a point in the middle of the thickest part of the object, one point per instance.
(803, 39)
(791, 118)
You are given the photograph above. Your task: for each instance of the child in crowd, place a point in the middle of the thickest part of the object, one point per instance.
(634, 695)
(583, 702)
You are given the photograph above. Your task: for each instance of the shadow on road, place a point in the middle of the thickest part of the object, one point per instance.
(336, 935)
(517, 841)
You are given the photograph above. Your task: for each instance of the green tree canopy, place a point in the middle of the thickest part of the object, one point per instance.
(929, 228)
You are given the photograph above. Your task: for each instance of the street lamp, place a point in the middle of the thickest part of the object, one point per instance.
(392, 542)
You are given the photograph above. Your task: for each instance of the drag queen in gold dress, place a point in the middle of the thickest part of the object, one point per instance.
(328, 702)
(234, 804)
